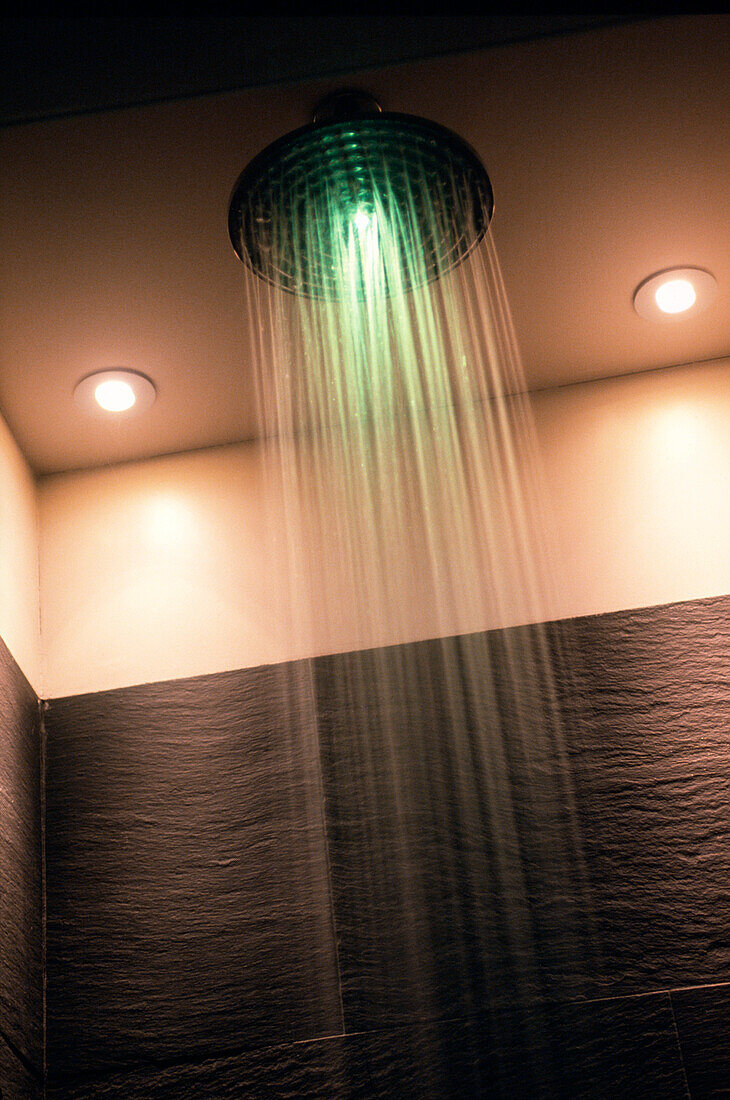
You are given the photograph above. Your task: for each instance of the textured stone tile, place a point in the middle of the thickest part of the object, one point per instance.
(16, 1081)
(21, 958)
(453, 865)
(595, 1050)
(430, 1059)
(482, 849)
(188, 905)
(703, 1025)
(647, 707)
(329, 1069)
(623, 1047)
(642, 661)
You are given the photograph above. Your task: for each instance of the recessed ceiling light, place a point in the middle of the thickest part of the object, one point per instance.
(673, 294)
(115, 392)
(114, 395)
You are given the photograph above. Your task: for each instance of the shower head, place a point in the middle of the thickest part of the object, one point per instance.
(358, 192)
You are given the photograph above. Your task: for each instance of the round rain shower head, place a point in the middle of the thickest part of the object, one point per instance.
(334, 206)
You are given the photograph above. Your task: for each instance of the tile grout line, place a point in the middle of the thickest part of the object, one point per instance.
(679, 1046)
(646, 993)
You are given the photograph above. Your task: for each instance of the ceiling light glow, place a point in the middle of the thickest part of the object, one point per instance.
(675, 294)
(117, 392)
(114, 395)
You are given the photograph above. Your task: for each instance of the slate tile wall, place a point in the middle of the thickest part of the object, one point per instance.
(649, 732)
(703, 1027)
(425, 917)
(606, 1049)
(21, 902)
(188, 903)
(18, 1081)
(310, 881)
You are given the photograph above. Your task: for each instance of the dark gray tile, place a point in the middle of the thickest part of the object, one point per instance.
(430, 1059)
(17, 1082)
(188, 903)
(596, 1050)
(642, 662)
(503, 824)
(21, 949)
(456, 878)
(330, 1069)
(622, 1047)
(647, 708)
(703, 1025)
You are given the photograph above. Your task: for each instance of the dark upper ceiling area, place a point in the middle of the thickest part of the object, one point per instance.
(55, 66)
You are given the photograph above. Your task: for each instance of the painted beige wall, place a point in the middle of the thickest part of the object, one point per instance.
(18, 558)
(177, 566)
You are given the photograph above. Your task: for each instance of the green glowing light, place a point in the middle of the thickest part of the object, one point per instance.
(363, 221)
(313, 211)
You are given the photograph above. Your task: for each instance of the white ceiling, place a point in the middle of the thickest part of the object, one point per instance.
(608, 151)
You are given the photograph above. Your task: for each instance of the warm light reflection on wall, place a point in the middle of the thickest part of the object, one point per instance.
(686, 464)
(139, 560)
(170, 523)
(19, 616)
(677, 432)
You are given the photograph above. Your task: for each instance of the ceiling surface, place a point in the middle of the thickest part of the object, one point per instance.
(81, 63)
(608, 151)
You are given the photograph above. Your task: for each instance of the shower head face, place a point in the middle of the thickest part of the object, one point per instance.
(376, 204)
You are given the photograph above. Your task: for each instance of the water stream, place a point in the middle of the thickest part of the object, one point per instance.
(402, 454)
